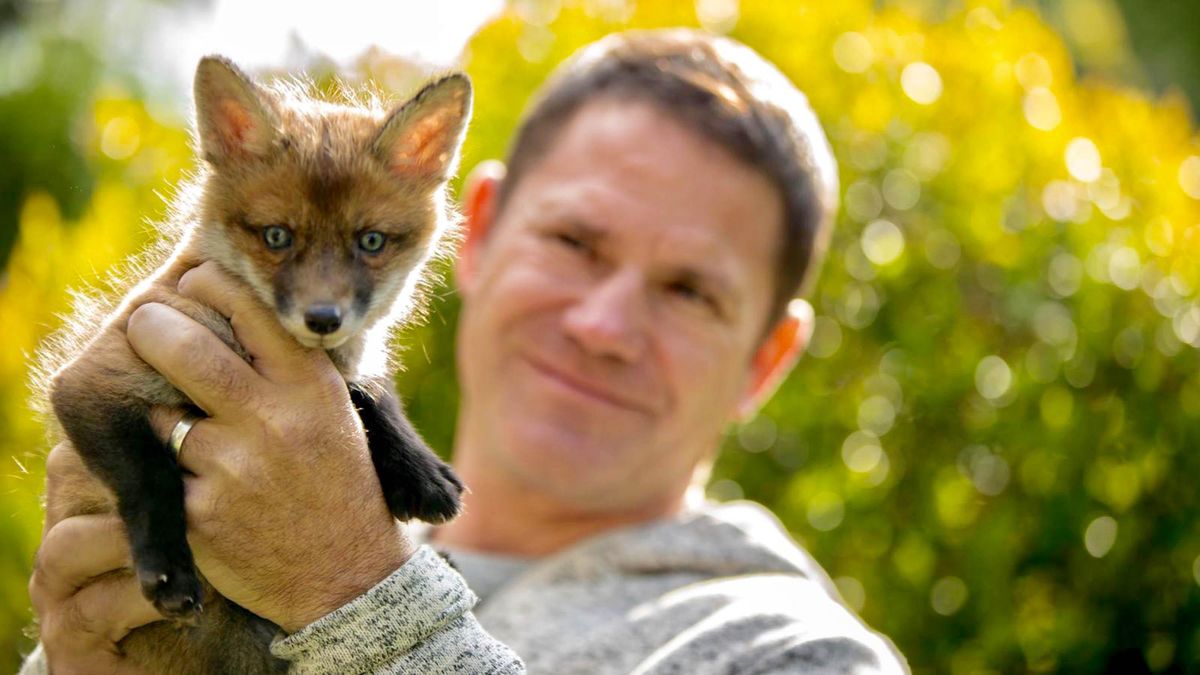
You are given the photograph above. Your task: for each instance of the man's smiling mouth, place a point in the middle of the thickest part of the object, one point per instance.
(582, 387)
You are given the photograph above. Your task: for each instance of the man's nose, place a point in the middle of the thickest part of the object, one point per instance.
(323, 319)
(608, 319)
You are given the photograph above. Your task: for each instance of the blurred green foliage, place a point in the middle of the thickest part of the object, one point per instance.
(991, 444)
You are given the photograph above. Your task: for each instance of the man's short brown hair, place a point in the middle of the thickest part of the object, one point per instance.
(729, 94)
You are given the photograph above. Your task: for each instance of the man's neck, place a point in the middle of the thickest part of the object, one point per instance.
(509, 519)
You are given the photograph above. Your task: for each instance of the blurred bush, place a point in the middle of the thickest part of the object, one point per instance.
(990, 445)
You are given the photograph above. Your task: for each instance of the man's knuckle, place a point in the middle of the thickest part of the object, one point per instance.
(228, 383)
(189, 341)
(323, 371)
(117, 631)
(50, 632)
(273, 417)
(72, 621)
(330, 385)
(280, 427)
(204, 280)
(48, 562)
(36, 590)
(187, 282)
(139, 317)
(209, 269)
(200, 509)
(62, 459)
(38, 577)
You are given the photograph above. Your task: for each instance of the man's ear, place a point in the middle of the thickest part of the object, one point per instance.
(775, 357)
(481, 191)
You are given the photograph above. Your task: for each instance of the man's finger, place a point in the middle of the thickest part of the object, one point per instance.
(163, 420)
(256, 326)
(69, 484)
(77, 550)
(113, 606)
(193, 359)
(197, 450)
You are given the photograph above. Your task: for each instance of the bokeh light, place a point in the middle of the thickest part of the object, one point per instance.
(948, 595)
(1100, 536)
(921, 82)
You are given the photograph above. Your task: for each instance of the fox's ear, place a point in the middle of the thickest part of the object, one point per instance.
(233, 120)
(421, 138)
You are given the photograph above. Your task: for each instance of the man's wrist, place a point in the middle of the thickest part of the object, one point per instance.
(418, 620)
(366, 569)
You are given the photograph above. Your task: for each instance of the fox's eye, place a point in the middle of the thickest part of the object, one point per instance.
(372, 242)
(277, 237)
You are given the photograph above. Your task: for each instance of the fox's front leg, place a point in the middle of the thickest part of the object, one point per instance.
(118, 445)
(416, 483)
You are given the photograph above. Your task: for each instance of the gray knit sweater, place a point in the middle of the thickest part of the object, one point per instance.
(721, 589)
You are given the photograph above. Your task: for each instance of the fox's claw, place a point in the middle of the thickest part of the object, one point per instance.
(173, 589)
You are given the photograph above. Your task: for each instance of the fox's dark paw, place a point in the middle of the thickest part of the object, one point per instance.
(452, 478)
(434, 497)
(174, 589)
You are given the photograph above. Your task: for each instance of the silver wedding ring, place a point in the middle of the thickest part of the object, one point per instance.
(180, 432)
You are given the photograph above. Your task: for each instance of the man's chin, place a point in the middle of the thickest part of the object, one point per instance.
(573, 460)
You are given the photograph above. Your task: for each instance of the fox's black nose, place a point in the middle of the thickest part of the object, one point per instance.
(323, 319)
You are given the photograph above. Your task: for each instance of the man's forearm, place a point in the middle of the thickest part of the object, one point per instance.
(418, 620)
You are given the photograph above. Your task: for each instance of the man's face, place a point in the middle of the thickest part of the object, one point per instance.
(611, 312)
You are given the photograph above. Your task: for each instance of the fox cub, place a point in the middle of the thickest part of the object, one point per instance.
(328, 211)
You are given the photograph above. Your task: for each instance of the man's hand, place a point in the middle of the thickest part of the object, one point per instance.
(85, 596)
(285, 514)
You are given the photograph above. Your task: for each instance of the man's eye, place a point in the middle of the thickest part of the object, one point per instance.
(686, 291)
(372, 242)
(277, 237)
(691, 293)
(571, 242)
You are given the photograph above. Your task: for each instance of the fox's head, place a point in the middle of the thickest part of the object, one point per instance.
(327, 210)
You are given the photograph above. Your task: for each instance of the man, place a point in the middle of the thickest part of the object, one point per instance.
(626, 290)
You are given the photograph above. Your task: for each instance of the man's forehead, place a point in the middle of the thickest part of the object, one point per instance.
(650, 161)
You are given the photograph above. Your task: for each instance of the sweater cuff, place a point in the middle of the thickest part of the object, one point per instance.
(420, 598)
(35, 663)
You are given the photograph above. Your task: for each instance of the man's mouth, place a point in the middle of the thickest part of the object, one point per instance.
(584, 387)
